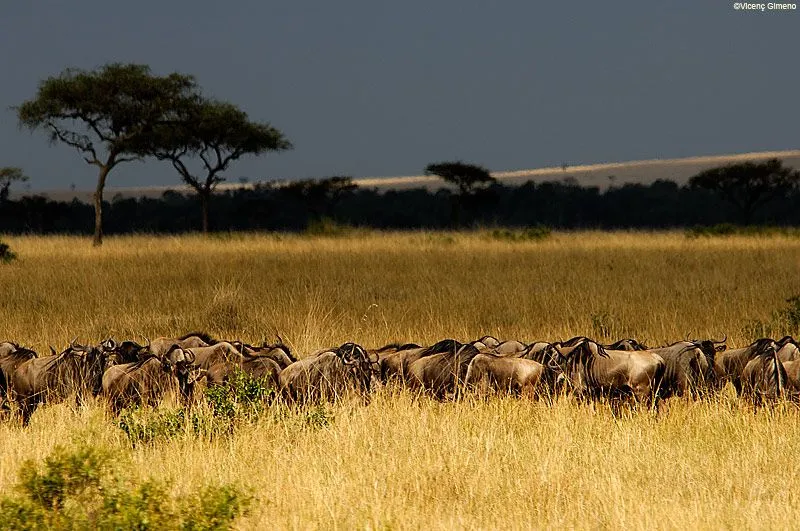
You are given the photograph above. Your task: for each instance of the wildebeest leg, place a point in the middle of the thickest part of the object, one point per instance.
(27, 407)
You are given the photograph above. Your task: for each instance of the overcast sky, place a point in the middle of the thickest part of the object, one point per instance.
(371, 88)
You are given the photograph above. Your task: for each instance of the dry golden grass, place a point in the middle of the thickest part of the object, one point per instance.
(404, 463)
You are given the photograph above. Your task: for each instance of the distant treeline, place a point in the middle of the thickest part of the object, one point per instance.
(559, 205)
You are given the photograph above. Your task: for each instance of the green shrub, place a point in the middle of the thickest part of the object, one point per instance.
(783, 321)
(6, 255)
(536, 233)
(789, 315)
(85, 488)
(729, 229)
(329, 227)
(143, 426)
(317, 417)
(242, 397)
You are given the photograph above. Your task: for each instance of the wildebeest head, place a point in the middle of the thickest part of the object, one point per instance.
(365, 367)
(575, 365)
(89, 362)
(764, 375)
(127, 351)
(180, 363)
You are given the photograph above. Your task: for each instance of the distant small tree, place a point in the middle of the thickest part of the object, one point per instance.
(216, 133)
(9, 175)
(467, 177)
(102, 113)
(748, 185)
(321, 196)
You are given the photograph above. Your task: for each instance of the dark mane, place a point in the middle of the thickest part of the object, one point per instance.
(408, 346)
(280, 346)
(22, 353)
(583, 352)
(147, 357)
(466, 353)
(389, 346)
(202, 335)
(445, 345)
(762, 347)
(782, 342)
(287, 351)
(573, 341)
(623, 342)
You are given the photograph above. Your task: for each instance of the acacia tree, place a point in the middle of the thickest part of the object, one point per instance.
(216, 133)
(748, 185)
(467, 177)
(103, 113)
(9, 175)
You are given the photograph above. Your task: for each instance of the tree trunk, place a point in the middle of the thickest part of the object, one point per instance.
(205, 199)
(98, 206)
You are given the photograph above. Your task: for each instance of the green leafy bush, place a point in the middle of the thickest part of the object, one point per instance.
(536, 233)
(330, 228)
(142, 426)
(86, 488)
(242, 396)
(783, 321)
(6, 255)
(729, 229)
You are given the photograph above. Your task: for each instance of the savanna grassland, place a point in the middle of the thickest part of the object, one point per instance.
(402, 462)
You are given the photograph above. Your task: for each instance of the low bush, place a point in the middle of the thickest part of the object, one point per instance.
(86, 488)
(6, 254)
(536, 233)
(729, 229)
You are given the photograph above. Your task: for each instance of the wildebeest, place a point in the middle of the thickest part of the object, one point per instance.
(149, 380)
(442, 373)
(729, 365)
(626, 344)
(592, 371)
(77, 369)
(161, 345)
(511, 347)
(506, 374)
(490, 342)
(330, 374)
(278, 352)
(689, 367)
(11, 357)
(396, 364)
(205, 357)
(787, 349)
(764, 377)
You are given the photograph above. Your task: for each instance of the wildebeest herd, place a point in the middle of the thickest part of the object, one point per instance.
(128, 373)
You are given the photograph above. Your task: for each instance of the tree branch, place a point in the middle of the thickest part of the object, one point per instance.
(85, 147)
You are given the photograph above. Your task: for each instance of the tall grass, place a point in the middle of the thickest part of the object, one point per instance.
(402, 462)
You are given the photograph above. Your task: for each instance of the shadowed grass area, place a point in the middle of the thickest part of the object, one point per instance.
(402, 462)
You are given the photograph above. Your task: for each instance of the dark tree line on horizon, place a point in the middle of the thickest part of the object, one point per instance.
(297, 206)
(121, 113)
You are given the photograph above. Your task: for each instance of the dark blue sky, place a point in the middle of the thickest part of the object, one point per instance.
(369, 88)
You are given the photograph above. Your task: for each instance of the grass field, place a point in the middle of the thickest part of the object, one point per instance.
(404, 463)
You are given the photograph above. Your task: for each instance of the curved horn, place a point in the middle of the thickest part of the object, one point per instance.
(724, 339)
(189, 355)
(73, 345)
(280, 339)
